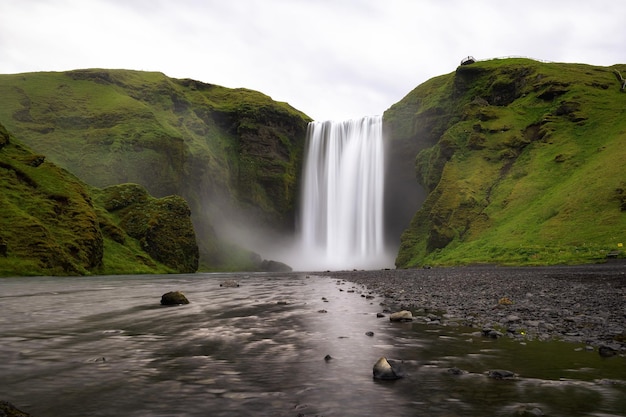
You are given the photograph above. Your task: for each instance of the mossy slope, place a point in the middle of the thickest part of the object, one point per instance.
(523, 162)
(54, 224)
(231, 153)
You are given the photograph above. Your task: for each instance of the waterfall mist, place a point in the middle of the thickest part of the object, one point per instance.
(341, 213)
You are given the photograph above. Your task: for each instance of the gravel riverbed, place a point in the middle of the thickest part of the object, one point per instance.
(581, 304)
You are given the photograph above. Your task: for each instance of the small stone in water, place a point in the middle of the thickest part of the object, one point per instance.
(606, 351)
(404, 315)
(500, 374)
(455, 371)
(369, 334)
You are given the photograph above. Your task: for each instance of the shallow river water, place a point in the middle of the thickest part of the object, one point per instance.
(104, 346)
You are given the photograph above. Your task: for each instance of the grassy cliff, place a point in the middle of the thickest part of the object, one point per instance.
(522, 161)
(54, 224)
(233, 154)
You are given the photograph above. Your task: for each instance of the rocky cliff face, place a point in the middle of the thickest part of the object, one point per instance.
(233, 154)
(54, 224)
(520, 161)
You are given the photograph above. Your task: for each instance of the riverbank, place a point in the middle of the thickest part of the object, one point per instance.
(580, 304)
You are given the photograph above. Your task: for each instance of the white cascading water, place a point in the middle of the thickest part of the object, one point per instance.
(341, 218)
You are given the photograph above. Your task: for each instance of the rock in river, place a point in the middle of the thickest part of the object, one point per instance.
(404, 315)
(388, 369)
(173, 298)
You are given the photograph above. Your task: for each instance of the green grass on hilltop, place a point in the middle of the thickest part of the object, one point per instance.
(524, 162)
(226, 151)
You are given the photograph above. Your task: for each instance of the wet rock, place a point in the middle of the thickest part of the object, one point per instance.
(173, 298)
(492, 333)
(370, 334)
(380, 315)
(388, 369)
(328, 358)
(9, 410)
(607, 351)
(455, 371)
(400, 316)
(500, 374)
(230, 283)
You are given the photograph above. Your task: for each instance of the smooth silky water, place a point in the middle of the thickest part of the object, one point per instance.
(104, 346)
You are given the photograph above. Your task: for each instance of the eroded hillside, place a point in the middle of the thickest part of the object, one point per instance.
(233, 154)
(54, 224)
(523, 163)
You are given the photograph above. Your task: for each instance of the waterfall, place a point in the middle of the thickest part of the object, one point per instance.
(341, 216)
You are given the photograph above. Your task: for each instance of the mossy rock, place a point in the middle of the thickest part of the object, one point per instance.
(162, 226)
(174, 298)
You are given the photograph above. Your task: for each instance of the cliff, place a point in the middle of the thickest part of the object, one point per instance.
(522, 162)
(54, 224)
(233, 154)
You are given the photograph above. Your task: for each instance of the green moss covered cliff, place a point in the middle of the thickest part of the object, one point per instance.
(54, 224)
(523, 162)
(233, 154)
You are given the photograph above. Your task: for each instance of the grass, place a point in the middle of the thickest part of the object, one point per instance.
(183, 137)
(528, 170)
(53, 224)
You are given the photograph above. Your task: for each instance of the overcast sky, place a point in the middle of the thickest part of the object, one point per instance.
(331, 59)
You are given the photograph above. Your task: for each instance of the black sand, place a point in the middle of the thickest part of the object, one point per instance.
(582, 304)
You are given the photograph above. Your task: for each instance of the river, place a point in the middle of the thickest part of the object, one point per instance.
(104, 346)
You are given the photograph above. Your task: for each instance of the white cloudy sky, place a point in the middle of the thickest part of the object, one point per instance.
(332, 59)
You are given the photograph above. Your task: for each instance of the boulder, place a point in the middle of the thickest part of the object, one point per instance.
(173, 298)
(229, 283)
(387, 369)
(404, 315)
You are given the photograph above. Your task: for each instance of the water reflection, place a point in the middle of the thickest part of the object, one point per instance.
(103, 346)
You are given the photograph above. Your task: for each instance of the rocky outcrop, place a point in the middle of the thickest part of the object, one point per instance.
(162, 226)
